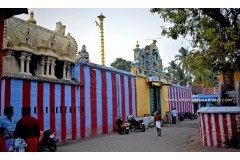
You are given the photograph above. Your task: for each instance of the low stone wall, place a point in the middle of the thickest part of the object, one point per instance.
(218, 125)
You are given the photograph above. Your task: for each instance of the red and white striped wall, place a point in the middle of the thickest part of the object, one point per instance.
(180, 98)
(75, 111)
(217, 125)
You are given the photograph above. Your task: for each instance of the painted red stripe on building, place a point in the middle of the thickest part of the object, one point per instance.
(114, 100)
(93, 102)
(82, 102)
(52, 107)
(233, 124)
(7, 92)
(170, 98)
(63, 113)
(204, 130)
(225, 128)
(26, 93)
(218, 133)
(73, 111)
(130, 95)
(104, 103)
(210, 129)
(123, 97)
(40, 111)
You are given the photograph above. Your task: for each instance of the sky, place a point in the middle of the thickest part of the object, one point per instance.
(123, 27)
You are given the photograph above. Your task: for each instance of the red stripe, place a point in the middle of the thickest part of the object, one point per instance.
(104, 103)
(233, 124)
(82, 102)
(7, 92)
(177, 97)
(218, 132)
(63, 113)
(130, 95)
(204, 131)
(93, 95)
(40, 108)
(123, 97)
(52, 106)
(170, 97)
(225, 127)
(114, 99)
(73, 110)
(26, 94)
(210, 129)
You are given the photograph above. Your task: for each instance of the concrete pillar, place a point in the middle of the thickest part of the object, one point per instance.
(64, 71)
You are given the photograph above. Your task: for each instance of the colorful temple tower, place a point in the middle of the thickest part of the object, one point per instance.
(153, 89)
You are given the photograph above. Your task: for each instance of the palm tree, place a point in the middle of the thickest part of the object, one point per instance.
(182, 59)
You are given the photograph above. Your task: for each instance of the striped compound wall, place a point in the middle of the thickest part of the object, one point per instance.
(218, 124)
(180, 98)
(75, 111)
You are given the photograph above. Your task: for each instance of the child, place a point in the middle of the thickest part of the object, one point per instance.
(3, 147)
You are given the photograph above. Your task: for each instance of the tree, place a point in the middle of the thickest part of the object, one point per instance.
(214, 32)
(182, 58)
(122, 64)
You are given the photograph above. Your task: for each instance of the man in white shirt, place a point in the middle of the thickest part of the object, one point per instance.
(174, 113)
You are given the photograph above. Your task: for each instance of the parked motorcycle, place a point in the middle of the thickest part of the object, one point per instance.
(47, 140)
(180, 117)
(122, 127)
(136, 125)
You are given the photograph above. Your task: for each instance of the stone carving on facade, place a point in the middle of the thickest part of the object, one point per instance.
(33, 50)
(83, 54)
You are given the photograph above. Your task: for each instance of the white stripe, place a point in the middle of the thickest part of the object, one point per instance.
(214, 133)
(229, 126)
(221, 129)
(202, 128)
(207, 129)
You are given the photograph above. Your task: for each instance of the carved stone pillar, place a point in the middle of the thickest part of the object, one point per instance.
(68, 71)
(53, 64)
(9, 59)
(27, 64)
(42, 63)
(22, 63)
(64, 70)
(47, 67)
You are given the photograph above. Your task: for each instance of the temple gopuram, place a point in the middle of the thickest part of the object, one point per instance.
(154, 90)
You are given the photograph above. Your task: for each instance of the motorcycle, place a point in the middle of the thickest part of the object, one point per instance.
(136, 125)
(122, 127)
(47, 140)
(180, 117)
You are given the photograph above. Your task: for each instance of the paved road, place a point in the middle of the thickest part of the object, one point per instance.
(173, 138)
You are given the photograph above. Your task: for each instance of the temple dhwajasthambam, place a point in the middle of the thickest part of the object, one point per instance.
(154, 91)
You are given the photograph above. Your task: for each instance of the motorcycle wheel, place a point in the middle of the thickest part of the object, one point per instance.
(127, 131)
(52, 147)
(143, 128)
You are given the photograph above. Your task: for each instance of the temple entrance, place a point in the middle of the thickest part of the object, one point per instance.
(155, 99)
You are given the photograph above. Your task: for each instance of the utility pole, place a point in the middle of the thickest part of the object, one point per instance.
(101, 17)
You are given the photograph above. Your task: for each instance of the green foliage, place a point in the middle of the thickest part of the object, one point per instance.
(214, 32)
(122, 64)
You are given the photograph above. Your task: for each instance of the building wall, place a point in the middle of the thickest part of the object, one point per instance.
(164, 100)
(74, 111)
(236, 77)
(143, 96)
(217, 128)
(180, 98)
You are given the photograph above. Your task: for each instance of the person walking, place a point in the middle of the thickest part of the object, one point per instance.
(157, 118)
(28, 129)
(174, 113)
(7, 122)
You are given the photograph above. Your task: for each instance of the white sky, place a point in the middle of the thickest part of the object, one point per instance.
(122, 28)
